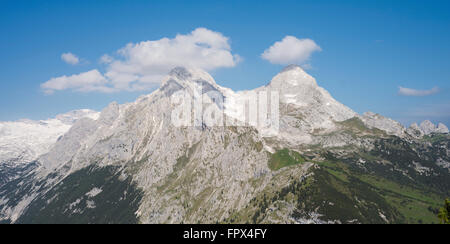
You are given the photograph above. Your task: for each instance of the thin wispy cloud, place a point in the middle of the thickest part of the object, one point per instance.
(84, 82)
(70, 58)
(141, 66)
(417, 93)
(290, 50)
(106, 59)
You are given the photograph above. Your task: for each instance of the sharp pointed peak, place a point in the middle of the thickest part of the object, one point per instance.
(293, 75)
(292, 67)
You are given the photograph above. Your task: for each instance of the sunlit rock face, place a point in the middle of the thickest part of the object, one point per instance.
(427, 128)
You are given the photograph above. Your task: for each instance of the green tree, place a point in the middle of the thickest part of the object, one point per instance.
(444, 213)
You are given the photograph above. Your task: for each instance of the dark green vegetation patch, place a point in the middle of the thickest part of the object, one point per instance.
(69, 202)
(393, 182)
(394, 202)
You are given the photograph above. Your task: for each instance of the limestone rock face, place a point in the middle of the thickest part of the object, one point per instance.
(305, 107)
(415, 131)
(385, 124)
(442, 128)
(426, 128)
(299, 89)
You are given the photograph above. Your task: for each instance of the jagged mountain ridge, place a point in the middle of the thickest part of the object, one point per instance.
(208, 174)
(426, 128)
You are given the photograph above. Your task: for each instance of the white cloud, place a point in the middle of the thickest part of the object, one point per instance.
(290, 50)
(418, 93)
(70, 58)
(140, 66)
(88, 81)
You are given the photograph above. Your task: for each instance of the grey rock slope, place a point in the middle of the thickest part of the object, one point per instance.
(318, 169)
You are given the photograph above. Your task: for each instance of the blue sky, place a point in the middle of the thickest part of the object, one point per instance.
(368, 49)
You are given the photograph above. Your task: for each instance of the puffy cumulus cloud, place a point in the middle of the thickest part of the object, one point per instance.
(290, 50)
(88, 81)
(70, 58)
(141, 66)
(418, 93)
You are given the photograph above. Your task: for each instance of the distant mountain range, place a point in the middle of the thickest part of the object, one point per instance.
(314, 161)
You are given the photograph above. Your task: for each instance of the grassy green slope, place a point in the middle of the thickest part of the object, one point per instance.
(284, 158)
(340, 192)
(411, 204)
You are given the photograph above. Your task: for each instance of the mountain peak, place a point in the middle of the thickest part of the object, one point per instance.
(191, 79)
(181, 73)
(427, 127)
(442, 128)
(189, 74)
(314, 104)
(291, 76)
(291, 67)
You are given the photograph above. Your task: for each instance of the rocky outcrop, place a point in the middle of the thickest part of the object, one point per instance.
(426, 128)
(441, 128)
(388, 125)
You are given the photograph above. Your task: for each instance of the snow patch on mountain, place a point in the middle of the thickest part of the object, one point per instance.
(25, 140)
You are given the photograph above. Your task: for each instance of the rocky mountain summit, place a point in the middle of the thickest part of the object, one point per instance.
(287, 152)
